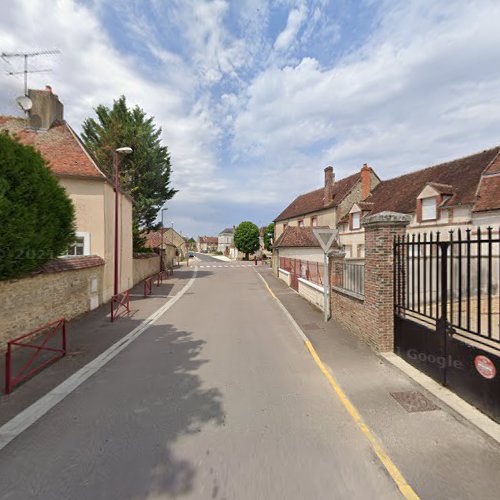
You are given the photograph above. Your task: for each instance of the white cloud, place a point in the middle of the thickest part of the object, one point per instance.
(251, 122)
(423, 88)
(296, 18)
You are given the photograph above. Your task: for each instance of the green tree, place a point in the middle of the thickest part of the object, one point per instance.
(36, 214)
(145, 174)
(268, 237)
(246, 238)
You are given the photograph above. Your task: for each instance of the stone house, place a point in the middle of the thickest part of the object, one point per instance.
(458, 194)
(160, 243)
(207, 243)
(180, 242)
(323, 207)
(225, 240)
(91, 191)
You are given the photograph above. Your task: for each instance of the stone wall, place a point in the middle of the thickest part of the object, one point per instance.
(145, 265)
(65, 288)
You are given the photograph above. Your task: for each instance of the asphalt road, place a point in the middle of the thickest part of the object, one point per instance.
(203, 257)
(218, 400)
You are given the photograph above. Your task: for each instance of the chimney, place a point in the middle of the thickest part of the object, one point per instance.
(47, 109)
(365, 181)
(329, 180)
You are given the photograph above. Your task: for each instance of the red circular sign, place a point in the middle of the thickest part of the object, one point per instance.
(485, 367)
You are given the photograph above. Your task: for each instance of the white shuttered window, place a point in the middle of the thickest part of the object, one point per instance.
(429, 209)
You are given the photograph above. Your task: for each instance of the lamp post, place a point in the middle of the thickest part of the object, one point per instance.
(163, 250)
(119, 151)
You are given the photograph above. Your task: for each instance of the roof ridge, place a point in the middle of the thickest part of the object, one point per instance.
(443, 163)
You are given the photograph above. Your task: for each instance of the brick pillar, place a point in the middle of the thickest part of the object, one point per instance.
(380, 231)
(336, 261)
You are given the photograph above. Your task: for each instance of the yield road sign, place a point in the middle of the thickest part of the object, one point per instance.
(325, 237)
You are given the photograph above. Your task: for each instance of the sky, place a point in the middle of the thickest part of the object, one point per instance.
(256, 97)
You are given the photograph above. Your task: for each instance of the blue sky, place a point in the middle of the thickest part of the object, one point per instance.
(256, 97)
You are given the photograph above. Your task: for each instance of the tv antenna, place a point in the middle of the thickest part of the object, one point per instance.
(26, 55)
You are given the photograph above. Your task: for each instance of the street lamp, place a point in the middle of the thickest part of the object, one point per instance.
(163, 250)
(119, 151)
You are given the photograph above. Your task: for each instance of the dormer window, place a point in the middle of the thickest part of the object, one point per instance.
(429, 209)
(301, 223)
(356, 220)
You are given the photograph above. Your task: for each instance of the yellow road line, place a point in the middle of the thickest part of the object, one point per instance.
(270, 291)
(406, 490)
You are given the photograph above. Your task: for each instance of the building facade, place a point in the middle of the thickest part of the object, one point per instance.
(88, 187)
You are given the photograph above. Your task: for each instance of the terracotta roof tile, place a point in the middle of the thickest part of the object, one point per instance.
(489, 194)
(71, 264)
(210, 240)
(463, 175)
(154, 239)
(313, 201)
(297, 237)
(60, 146)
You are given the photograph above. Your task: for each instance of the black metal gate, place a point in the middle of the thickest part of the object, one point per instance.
(447, 312)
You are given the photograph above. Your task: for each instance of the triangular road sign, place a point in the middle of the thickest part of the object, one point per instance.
(325, 237)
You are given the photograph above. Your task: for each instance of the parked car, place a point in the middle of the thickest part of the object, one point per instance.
(190, 255)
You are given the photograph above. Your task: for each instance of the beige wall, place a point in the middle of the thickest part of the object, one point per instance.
(451, 219)
(325, 218)
(94, 202)
(145, 266)
(88, 198)
(125, 232)
(309, 254)
(31, 302)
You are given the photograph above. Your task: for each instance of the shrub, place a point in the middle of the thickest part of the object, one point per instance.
(36, 214)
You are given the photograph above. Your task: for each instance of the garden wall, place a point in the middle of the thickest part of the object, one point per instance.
(66, 287)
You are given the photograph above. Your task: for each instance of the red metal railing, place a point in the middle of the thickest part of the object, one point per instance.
(120, 305)
(148, 286)
(311, 271)
(163, 275)
(25, 372)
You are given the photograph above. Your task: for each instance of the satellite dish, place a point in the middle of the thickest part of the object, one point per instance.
(24, 102)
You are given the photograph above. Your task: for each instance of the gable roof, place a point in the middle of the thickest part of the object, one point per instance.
(297, 237)
(154, 239)
(210, 240)
(462, 175)
(60, 146)
(313, 201)
(228, 230)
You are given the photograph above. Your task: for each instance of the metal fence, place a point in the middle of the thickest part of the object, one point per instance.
(353, 277)
(308, 270)
(460, 274)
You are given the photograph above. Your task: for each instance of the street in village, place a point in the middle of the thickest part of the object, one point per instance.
(219, 398)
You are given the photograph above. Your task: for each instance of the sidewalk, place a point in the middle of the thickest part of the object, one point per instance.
(89, 336)
(439, 453)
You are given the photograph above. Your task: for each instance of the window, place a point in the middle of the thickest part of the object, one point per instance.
(356, 220)
(429, 209)
(348, 251)
(361, 251)
(81, 245)
(314, 221)
(301, 223)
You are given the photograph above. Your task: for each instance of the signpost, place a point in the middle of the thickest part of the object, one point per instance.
(325, 237)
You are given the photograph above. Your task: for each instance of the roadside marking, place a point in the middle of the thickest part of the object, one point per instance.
(406, 490)
(38, 409)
